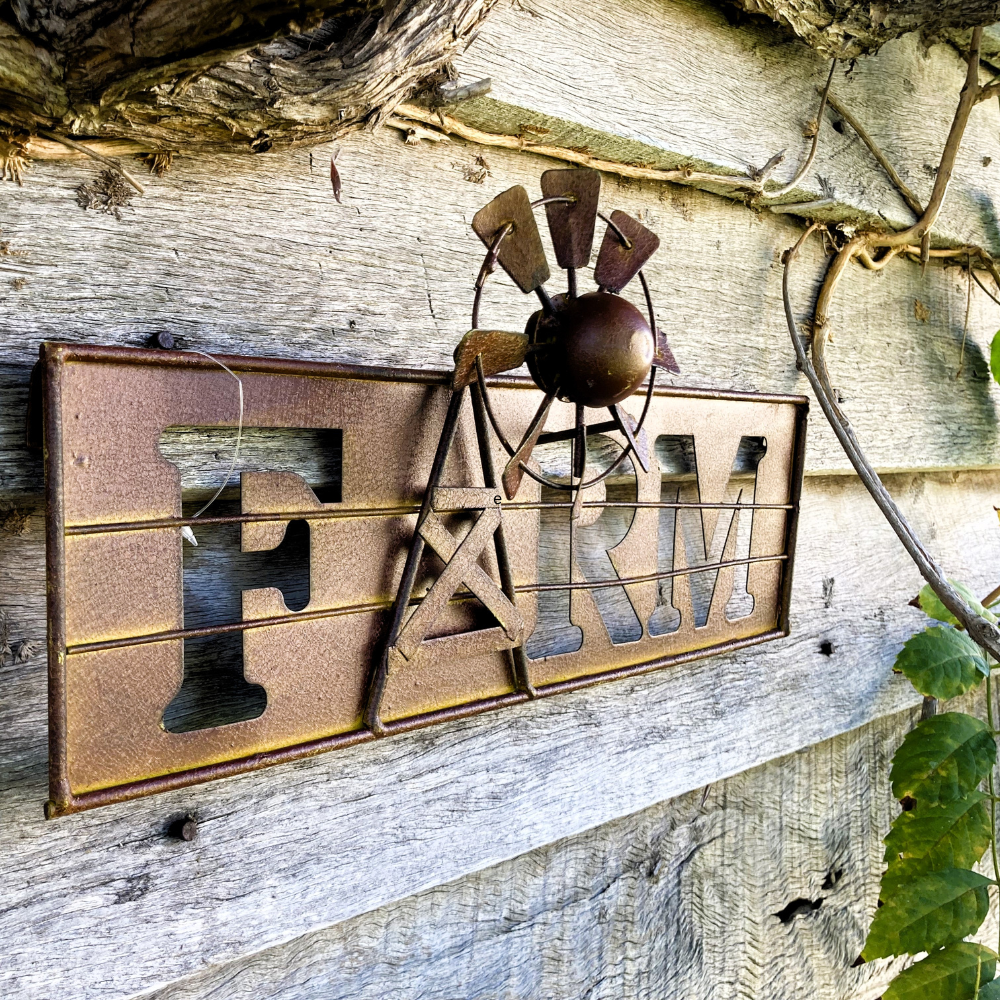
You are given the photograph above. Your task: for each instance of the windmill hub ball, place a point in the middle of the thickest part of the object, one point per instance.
(595, 350)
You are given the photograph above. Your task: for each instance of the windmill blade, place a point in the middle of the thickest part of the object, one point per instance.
(513, 472)
(521, 252)
(618, 264)
(664, 357)
(626, 424)
(501, 351)
(572, 223)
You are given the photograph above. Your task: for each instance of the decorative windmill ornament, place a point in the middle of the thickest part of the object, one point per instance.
(592, 350)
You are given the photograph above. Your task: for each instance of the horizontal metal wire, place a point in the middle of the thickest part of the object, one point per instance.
(354, 609)
(403, 511)
(529, 588)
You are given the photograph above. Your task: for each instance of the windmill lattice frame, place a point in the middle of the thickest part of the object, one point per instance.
(591, 353)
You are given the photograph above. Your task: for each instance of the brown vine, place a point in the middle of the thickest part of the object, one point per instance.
(862, 246)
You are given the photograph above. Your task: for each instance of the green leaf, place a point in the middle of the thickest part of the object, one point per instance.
(948, 974)
(943, 758)
(928, 913)
(991, 991)
(931, 604)
(931, 838)
(995, 356)
(942, 662)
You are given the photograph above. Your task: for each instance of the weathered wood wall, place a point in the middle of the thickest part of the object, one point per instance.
(565, 848)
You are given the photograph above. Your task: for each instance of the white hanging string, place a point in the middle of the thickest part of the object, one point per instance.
(186, 530)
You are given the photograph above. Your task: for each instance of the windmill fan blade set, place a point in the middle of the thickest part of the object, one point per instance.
(594, 349)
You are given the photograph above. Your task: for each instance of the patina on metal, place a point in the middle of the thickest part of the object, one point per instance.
(424, 540)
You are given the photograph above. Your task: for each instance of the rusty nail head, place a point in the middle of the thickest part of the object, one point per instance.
(162, 340)
(185, 828)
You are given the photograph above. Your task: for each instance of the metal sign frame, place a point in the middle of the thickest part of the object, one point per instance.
(113, 520)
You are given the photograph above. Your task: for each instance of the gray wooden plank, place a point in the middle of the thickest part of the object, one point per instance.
(676, 84)
(761, 885)
(253, 255)
(106, 903)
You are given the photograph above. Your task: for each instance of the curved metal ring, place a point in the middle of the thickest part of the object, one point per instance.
(626, 451)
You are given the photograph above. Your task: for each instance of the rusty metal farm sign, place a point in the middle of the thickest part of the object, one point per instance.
(375, 571)
(687, 557)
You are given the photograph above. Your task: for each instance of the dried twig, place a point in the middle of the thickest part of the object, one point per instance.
(106, 160)
(865, 258)
(966, 102)
(768, 168)
(975, 278)
(444, 95)
(405, 114)
(815, 370)
(803, 170)
(803, 208)
(979, 629)
(864, 243)
(908, 196)
(965, 325)
(991, 89)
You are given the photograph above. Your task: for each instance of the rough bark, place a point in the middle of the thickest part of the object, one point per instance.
(846, 29)
(220, 74)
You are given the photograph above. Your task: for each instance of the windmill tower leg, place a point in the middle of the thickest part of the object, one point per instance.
(519, 664)
(404, 592)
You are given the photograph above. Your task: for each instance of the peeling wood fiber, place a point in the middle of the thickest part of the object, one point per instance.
(847, 29)
(217, 75)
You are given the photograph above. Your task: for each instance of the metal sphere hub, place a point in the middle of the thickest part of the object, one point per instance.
(594, 350)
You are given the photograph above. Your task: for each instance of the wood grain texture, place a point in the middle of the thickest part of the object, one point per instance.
(682, 86)
(852, 29)
(761, 885)
(107, 902)
(253, 255)
(217, 74)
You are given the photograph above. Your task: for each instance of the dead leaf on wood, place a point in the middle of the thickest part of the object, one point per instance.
(335, 177)
(109, 193)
